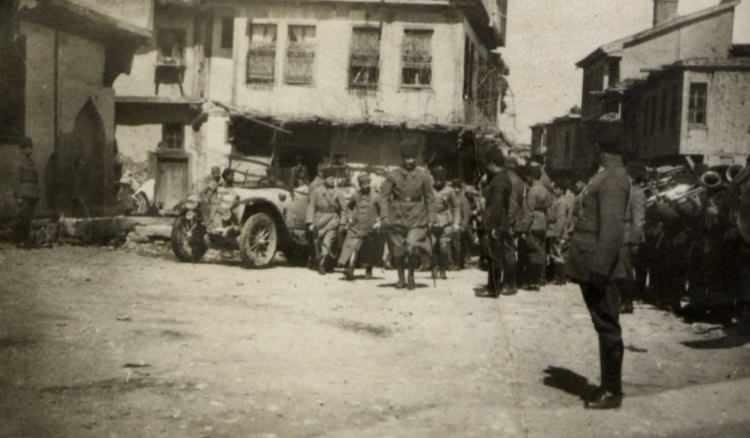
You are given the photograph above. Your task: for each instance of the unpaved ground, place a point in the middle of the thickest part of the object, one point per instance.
(103, 343)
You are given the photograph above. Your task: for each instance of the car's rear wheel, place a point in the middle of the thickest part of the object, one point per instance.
(259, 240)
(186, 245)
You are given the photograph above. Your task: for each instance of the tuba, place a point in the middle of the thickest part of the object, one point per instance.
(712, 179)
(733, 171)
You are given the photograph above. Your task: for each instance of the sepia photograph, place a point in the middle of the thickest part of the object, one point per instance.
(374, 218)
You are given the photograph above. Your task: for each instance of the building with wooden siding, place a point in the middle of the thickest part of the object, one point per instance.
(351, 77)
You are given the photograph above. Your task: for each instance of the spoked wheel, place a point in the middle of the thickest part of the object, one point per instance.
(187, 246)
(258, 241)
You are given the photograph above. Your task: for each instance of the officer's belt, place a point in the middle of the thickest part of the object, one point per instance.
(326, 210)
(408, 200)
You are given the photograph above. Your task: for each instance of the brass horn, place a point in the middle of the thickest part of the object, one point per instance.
(711, 179)
(733, 171)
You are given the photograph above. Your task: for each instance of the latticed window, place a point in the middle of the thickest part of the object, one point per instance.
(416, 58)
(364, 64)
(300, 55)
(172, 136)
(261, 56)
(697, 104)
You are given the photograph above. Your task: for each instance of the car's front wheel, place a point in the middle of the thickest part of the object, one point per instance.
(187, 242)
(258, 241)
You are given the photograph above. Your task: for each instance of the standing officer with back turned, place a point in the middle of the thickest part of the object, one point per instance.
(595, 262)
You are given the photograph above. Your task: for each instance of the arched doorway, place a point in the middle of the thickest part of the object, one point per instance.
(87, 160)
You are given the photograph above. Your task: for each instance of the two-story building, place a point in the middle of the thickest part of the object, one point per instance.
(698, 107)
(706, 33)
(312, 79)
(59, 61)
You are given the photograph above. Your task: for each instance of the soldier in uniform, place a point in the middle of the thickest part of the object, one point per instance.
(363, 219)
(323, 218)
(298, 174)
(538, 201)
(595, 262)
(517, 221)
(500, 247)
(407, 197)
(462, 242)
(26, 193)
(445, 229)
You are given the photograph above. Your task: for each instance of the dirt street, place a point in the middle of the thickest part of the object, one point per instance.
(96, 342)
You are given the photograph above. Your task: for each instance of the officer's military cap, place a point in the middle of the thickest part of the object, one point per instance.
(495, 156)
(363, 178)
(438, 172)
(328, 171)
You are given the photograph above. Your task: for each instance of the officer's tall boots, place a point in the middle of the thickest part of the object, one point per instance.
(492, 282)
(399, 261)
(443, 265)
(322, 265)
(412, 261)
(609, 395)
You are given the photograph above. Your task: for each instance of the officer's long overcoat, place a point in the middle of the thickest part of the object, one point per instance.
(597, 241)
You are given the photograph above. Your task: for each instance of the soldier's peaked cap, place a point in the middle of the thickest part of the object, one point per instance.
(363, 178)
(438, 172)
(328, 172)
(495, 156)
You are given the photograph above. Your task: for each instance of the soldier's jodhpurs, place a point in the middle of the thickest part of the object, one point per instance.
(604, 307)
(325, 242)
(25, 215)
(503, 253)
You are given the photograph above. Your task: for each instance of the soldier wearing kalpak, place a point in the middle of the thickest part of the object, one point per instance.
(498, 239)
(27, 193)
(407, 197)
(447, 223)
(363, 219)
(323, 218)
(595, 262)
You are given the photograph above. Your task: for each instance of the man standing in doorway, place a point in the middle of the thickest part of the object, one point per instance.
(595, 262)
(26, 193)
(408, 199)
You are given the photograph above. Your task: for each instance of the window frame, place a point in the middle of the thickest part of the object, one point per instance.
(260, 49)
(166, 137)
(313, 61)
(403, 64)
(702, 100)
(352, 67)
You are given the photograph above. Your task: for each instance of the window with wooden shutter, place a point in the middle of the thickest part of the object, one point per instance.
(697, 104)
(364, 64)
(416, 58)
(300, 55)
(261, 56)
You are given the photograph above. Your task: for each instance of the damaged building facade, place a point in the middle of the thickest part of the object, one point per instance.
(312, 79)
(60, 59)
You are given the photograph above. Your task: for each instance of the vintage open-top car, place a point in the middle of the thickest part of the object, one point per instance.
(257, 214)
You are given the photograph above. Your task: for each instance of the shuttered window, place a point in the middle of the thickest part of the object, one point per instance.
(416, 58)
(261, 56)
(300, 55)
(697, 104)
(364, 64)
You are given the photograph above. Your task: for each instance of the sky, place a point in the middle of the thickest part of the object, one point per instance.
(547, 37)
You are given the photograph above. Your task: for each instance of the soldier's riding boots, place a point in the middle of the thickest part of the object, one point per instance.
(413, 261)
(399, 261)
(322, 266)
(349, 272)
(609, 395)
